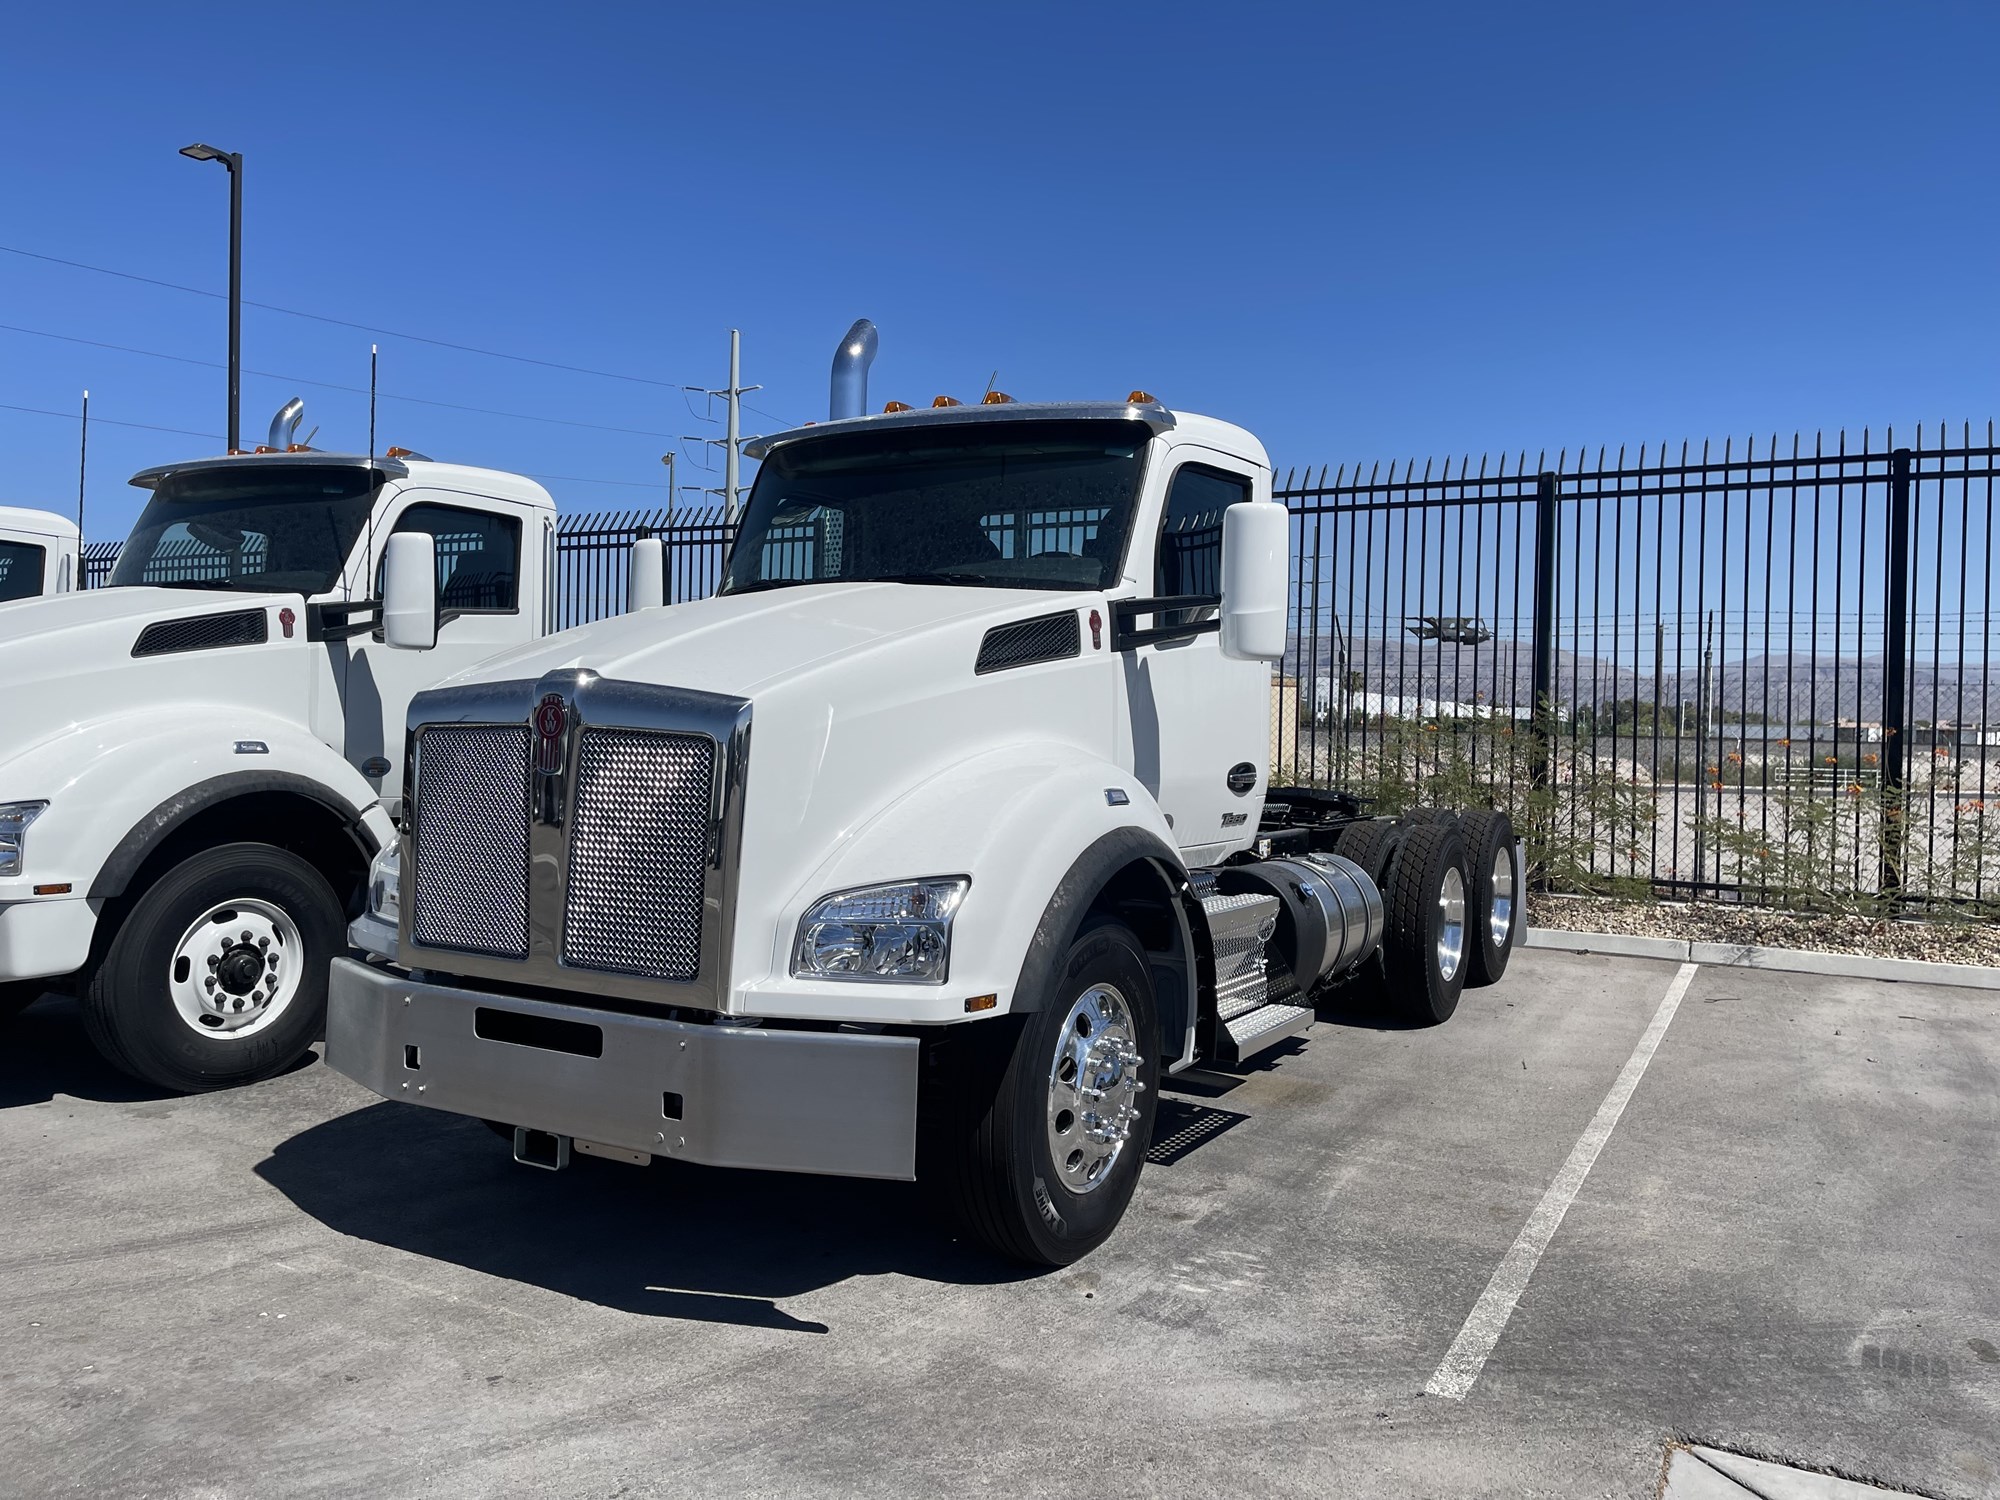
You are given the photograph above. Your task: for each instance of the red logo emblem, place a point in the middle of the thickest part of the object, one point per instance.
(1096, 631)
(287, 619)
(551, 719)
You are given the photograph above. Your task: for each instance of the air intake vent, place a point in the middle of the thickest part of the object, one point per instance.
(472, 839)
(1044, 638)
(243, 627)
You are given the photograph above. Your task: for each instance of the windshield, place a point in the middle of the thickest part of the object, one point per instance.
(1023, 505)
(260, 531)
(21, 565)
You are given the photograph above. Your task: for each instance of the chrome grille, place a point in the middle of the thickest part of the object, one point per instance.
(471, 839)
(639, 844)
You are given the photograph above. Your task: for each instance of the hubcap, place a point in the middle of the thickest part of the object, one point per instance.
(236, 969)
(1500, 922)
(1451, 924)
(1094, 1088)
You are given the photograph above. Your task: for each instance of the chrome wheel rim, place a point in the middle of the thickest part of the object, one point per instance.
(1500, 921)
(236, 969)
(1451, 924)
(1094, 1088)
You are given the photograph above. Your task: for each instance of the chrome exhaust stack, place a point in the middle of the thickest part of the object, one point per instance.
(849, 394)
(285, 425)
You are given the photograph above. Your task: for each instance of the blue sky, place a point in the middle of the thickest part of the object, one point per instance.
(1365, 233)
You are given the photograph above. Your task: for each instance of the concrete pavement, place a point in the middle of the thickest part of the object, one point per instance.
(1789, 1245)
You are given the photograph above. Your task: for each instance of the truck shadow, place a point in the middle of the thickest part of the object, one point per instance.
(44, 1052)
(674, 1241)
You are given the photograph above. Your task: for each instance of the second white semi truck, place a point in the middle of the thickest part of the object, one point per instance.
(199, 761)
(931, 845)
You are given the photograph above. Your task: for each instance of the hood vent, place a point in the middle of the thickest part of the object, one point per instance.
(243, 627)
(1024, 642)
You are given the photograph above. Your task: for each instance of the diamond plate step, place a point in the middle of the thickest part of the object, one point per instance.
(1249, 1034)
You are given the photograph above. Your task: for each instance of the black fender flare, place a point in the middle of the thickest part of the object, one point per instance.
(1071, 899)
(132, 851)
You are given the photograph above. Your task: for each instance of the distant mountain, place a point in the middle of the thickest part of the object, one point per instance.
(1779, 689)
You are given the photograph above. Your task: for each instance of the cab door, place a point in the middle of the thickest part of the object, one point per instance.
(1199, 723)
(485, 606)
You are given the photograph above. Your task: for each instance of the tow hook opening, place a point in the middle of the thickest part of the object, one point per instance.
(540, 1148)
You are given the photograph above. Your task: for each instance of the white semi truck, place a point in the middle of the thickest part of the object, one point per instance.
(928, 846)
(198, 762)
(40, 553)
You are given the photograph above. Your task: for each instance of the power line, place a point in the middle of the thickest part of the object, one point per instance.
(328, 385)
(70, 416)
(394, 333)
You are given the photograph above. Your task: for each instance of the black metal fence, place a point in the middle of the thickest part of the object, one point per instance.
(1763, 673)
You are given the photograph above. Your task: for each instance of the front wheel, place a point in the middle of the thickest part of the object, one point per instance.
(1057, 1120)
(218, 974)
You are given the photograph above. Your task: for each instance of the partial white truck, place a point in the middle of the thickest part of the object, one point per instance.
(199, 761)
(929, 846)
(40, 553)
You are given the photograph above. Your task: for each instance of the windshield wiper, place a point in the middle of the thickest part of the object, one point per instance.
(222, 585)
(759, 585)
(979, 579)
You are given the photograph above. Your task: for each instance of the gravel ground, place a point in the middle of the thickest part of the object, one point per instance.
(1937, 942)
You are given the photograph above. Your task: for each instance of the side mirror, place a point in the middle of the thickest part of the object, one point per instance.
(410, 591)
(646, 586)
(1256, 546)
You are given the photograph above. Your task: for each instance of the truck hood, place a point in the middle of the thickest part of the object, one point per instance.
(744, 644)
(69, 658)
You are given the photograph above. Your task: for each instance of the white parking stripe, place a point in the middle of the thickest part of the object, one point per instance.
(1468, 1353)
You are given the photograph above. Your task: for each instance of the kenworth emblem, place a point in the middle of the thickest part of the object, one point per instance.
(551, 719)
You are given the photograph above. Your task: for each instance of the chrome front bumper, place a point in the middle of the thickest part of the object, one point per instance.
(843, 1103)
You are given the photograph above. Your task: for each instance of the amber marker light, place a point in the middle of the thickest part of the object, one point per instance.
(1142, 398)
(946, 401)
(981, 1002)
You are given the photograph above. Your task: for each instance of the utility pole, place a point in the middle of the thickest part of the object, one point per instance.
(668, 460)
(732, 443)
(232, 161)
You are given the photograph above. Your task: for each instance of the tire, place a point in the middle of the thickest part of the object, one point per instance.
(16, 995)
(1371, 844)
(1007, 1184)
(1493, 871)
(143, 1003)
(1423, 948)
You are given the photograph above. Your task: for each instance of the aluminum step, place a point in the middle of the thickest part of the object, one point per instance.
(1252, 1032)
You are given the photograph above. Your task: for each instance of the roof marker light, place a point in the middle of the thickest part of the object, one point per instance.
(1142, 398)
(895, 406)
(996, 398)
(945, 401)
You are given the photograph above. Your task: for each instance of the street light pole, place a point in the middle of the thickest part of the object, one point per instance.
(233, 161)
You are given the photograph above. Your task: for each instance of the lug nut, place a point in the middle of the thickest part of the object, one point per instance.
(263, 942)
(213, 961)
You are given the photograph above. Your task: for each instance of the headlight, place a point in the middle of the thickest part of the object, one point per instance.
(14, 820)
(385, 886)
(881, 932)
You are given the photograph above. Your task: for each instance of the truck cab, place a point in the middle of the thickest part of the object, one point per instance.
(202, 757)
(40, 553)
(929, 845)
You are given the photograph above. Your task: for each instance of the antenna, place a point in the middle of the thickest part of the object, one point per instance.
(373, 351)
(82, 463)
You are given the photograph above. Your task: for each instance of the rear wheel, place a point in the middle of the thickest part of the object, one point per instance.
(1425, 907)
(218, 974)
(1493, 868)
(1058, 1108)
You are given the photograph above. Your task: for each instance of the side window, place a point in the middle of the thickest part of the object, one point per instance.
(478, 557)
(21, 566)
(1189, 560)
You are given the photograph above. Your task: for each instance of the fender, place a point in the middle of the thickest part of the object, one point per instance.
(117, 785)
(1031, 824)
(152, 830)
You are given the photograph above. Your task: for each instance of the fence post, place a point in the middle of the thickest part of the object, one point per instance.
(1543, 723)
(1895, 674)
